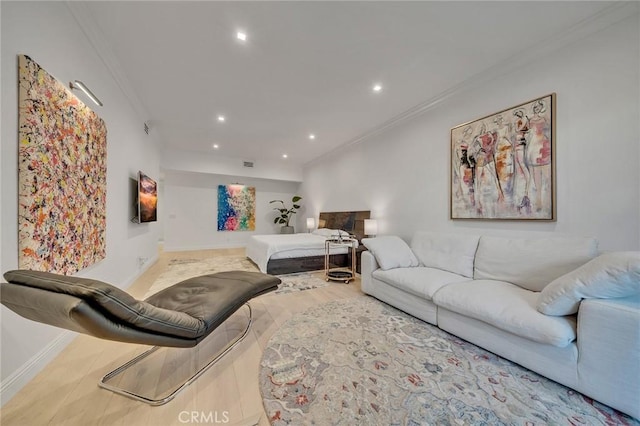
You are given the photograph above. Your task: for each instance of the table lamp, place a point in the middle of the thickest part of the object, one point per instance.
(311, 223)
(370, 227)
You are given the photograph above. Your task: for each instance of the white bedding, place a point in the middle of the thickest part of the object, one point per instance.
(261, 248)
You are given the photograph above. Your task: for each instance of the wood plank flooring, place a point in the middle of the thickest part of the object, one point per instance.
(66, 391)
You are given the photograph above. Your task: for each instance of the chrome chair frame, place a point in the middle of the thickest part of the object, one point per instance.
(155, 402)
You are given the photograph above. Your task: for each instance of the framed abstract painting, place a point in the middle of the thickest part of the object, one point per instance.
(503, 165)
(62, 176)
(236, 208)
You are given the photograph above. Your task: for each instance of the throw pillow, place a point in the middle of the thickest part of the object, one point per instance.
(610, 275)
(324, 232)
(391, 252)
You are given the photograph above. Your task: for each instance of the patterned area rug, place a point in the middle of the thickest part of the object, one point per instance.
(182, 269)
(361, 362)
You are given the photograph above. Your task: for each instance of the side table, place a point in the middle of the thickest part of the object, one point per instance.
(359, 251)
(344, 274)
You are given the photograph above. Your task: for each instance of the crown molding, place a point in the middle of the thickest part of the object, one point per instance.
(608, 16)
(96, 38)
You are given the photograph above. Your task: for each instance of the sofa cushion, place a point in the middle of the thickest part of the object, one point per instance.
(422, 282)
(531, 263)
(391, 252)
(610, 275)
(507, 307)
(449, 252)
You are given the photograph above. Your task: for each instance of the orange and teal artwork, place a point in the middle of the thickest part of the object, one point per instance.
(236, 208)
(62, 176)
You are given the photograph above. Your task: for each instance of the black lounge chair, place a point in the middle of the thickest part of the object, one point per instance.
(179, 316)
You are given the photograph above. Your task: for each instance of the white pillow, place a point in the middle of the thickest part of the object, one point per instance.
(615, 274)
(391, 252)
(325, 232)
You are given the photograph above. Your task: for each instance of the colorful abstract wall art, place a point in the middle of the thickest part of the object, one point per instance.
(147, 199)
(62, 176)
(236, 208)
(502, 165)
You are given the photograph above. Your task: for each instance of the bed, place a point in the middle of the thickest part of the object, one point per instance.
(289, 253)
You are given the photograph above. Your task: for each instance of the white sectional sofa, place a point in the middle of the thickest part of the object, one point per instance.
(552, 305)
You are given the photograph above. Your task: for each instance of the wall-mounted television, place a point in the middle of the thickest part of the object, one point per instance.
(147, 199)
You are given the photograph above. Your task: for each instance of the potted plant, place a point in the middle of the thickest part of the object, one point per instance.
(285, 214)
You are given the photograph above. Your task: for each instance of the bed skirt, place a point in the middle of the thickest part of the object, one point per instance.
(305, 264)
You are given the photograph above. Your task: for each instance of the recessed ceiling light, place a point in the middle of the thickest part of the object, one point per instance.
(216, 146)
(221, 118)
(284, 156)
(241, 35)
(377, 87)
(312, 136)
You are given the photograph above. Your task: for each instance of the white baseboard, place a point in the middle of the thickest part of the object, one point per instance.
(148, 264)
(19, 378)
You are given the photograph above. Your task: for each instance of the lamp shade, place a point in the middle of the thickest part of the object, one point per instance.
(311, 223)
(370, 227)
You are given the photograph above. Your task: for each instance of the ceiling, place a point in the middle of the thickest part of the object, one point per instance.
(309, 67)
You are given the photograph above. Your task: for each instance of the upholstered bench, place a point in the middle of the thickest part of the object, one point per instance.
(179, 316)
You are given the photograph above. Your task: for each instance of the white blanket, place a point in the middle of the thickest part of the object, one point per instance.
(260, 248)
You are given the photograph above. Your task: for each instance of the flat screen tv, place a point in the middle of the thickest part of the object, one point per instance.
(147, 199)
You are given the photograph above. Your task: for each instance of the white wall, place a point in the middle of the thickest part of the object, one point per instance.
(48, 33)
(402, 174)
(190, 209)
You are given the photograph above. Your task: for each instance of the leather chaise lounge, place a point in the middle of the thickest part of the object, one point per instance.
(179, 316)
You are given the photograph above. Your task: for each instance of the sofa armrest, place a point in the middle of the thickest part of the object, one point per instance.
(609, 351)
(369, 265)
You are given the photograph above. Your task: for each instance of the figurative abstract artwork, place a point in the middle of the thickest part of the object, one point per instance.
(236, 208)
(502, 165)
(62, 176)
(147, 199)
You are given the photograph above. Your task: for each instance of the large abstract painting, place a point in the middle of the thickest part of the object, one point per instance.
(502, 165)
(62, 174)
(236, 208)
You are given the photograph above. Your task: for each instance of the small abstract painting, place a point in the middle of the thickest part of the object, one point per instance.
(62, 176)
(147, 199)
(236, 208)
(502, 165)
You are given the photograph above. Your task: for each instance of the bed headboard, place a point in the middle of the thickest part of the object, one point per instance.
(352, 222)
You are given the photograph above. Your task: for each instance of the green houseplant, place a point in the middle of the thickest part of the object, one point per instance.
(285, 214)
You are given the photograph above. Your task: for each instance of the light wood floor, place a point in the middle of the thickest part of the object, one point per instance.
(66, 391)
